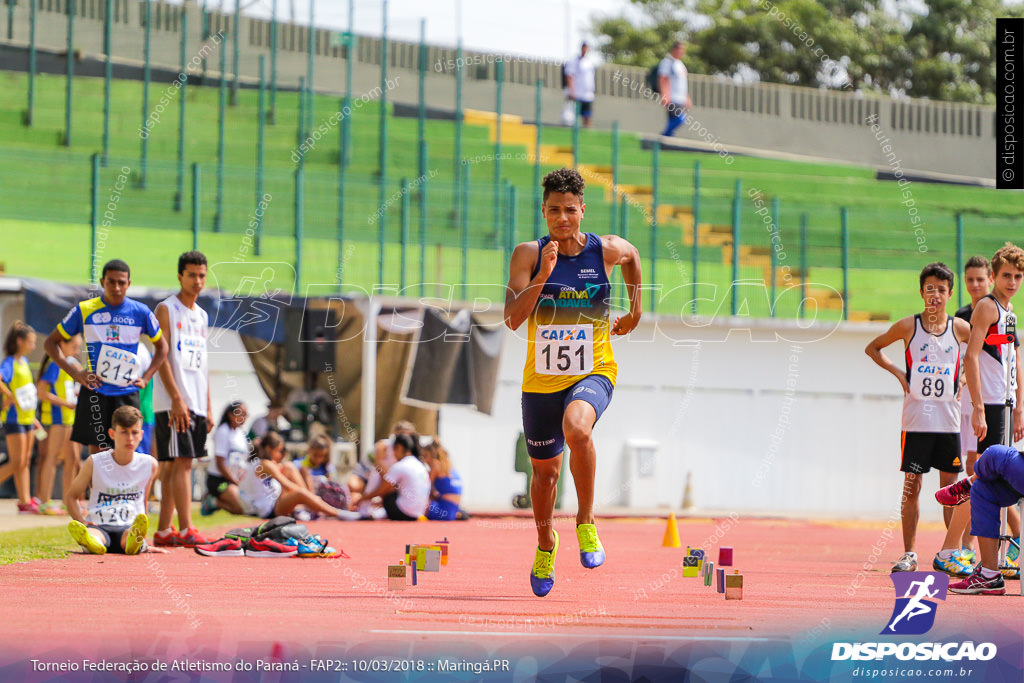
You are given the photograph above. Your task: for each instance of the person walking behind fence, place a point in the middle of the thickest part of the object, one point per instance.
(674, 88)
(580, 84)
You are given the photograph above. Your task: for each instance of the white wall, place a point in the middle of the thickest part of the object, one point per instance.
(715, 405)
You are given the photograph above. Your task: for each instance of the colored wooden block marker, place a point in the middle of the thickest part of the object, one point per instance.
(709, 572)
(721, 579)
(733, 586)
(691, 566)
(444, 551)
(396, 577)
(431, 560)
(414, 573)
(725, 556)
(697, 552)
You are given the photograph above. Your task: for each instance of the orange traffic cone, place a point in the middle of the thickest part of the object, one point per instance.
(671, 533)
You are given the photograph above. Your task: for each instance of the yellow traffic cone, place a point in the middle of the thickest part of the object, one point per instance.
(671, 533)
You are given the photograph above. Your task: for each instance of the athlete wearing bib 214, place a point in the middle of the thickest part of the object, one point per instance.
(112, 325)
(931, 411)
(560, 285)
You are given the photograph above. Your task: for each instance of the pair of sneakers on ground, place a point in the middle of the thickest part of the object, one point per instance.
(979, 580)
(542, 576)
(134, 543)
(310, 546)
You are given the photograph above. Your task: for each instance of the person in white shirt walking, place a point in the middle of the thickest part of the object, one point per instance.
(674, 88)
(580, 84)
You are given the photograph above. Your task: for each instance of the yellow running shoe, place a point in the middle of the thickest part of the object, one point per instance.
(591, 550)
(136, 540)
(542, 576)
(82, 537)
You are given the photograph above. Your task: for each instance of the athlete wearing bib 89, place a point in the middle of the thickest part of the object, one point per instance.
(560, 285)
(931, 410)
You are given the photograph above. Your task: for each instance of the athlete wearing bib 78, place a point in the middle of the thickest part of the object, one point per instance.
(560, 285)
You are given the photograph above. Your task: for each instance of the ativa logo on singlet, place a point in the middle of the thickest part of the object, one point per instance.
(99, 319)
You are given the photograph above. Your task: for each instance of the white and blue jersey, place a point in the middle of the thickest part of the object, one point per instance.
(112, 335)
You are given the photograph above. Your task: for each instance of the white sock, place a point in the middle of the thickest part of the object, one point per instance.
(989, 573)
(946, 554)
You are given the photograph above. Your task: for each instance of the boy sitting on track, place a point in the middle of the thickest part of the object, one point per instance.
(119, 480)
(931, 413)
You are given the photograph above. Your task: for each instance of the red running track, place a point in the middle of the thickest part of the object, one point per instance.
(803, 581)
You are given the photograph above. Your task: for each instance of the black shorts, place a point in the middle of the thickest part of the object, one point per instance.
(15, 428)
(586, 109)
(925, 450)
(996, 423)
(215, 485)
(111, 536)
(190, 443)
(543, 413)
(395, 513)
(93, 416)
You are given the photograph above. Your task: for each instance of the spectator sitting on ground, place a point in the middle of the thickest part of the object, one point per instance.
(230, 454)
(367, 472)
(269, 487)
(404, 489)
(316, 466)
(274, 420)
(446, 488)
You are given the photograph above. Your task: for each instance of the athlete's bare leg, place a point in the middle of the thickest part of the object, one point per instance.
(909, 510)
(945, 479)
(577, 425)
(543, 489)
(166, 497)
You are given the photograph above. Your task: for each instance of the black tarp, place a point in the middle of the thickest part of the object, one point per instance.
(456, 362)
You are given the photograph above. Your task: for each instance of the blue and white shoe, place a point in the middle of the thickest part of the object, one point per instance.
(591, 550)
(542, 576)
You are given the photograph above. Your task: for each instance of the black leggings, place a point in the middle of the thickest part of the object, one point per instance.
(390, 502)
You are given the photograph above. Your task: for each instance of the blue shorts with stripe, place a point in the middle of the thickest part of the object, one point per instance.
(1000, 483)
(542, 413)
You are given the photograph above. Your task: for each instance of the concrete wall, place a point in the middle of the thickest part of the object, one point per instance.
(925, 136)
(768, 418)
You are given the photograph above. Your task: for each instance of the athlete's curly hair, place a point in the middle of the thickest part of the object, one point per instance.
(564, 180)
(1011, 255)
